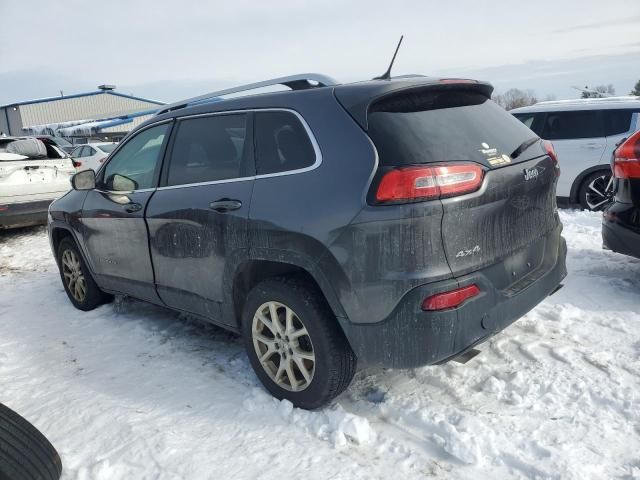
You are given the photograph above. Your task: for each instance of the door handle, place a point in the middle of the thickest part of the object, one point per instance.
(132, 207)
(225, 205)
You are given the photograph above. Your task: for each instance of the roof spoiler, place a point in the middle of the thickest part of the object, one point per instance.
(301, 81)
(357, 99)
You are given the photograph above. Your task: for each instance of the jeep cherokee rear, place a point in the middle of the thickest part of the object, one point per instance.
(396, 222)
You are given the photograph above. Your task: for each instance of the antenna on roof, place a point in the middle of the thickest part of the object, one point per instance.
(387, 75)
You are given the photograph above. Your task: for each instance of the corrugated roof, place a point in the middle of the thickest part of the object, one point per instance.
(78, 95)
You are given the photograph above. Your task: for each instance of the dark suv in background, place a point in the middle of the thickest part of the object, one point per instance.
(392, 222)
(621, 219)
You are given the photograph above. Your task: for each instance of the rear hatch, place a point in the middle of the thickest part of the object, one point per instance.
(511, 208)
(27, 179)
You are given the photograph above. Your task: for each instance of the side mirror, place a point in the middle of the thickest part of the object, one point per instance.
(84, 180)
(123, 184)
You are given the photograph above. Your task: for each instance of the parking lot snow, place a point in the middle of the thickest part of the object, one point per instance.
(134, 391)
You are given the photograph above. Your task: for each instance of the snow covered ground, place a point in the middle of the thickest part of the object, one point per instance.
(132, 391)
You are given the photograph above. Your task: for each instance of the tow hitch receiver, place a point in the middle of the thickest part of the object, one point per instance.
(466, 356)
(557, 288)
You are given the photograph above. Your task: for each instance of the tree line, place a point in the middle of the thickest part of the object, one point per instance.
(516, 98)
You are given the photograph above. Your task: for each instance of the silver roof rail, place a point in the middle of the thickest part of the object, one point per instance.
(579, 101)
(300, 81)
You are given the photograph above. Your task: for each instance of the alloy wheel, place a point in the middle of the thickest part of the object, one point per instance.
(283, 346)
(599, 192)
(73, 277)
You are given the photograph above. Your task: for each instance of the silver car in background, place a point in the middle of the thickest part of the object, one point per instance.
(33, 173)
(92, 155)
(584, 133)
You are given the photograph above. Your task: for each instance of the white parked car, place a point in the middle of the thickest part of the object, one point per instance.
(91, 155)
(584, 133)
(33, 173)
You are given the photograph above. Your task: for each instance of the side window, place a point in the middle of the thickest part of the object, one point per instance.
(618, 121)
(78, 152)
(526, 118)
(211, 148)
(282, 143)
(133, 167)
(532, 120)
(89, 151)
(573, 125)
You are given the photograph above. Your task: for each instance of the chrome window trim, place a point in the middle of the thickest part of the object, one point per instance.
(124, 192)
(312, 138)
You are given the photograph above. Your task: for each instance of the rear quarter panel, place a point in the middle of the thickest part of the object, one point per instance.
(297, 218)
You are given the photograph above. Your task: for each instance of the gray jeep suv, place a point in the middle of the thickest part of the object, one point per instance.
(391, 222)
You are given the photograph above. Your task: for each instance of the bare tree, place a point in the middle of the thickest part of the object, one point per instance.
(636, 89)
(599, 91)
(515, 98)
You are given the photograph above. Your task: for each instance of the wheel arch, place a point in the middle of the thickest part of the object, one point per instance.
(577, 183)
(253, 271)
(60, 231)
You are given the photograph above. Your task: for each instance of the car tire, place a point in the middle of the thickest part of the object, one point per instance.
(25, 454)
(591, 200)
(305, 328)
(76, 278)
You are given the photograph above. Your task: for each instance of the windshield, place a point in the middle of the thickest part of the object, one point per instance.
(108, 147)
(437, 126)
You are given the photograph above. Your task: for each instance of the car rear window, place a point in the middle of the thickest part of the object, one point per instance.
(108, 148)
(618, 121)
(282, 143)
(26, 148)
(436, 126)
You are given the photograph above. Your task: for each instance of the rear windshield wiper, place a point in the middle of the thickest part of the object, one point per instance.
(523, 146)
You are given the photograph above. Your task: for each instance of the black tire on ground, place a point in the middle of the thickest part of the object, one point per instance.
(93, 297)
(25, 454)
(601, 186)
(335, 362)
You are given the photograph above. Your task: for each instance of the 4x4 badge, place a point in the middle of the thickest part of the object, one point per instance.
(468, 252)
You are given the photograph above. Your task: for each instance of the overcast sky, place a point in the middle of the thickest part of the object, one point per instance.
(168, 49)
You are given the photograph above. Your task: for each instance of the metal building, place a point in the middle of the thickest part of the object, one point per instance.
(109, 113)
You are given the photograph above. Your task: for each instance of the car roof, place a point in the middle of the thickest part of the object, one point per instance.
(355, 97)
(612, 103)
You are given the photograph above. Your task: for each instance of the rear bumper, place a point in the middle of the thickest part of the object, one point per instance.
(410, 337)
(24, 214)
(617, 235)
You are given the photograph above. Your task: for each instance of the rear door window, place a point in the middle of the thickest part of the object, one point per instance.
(282, 143)
(211, 148)
(574, 125)
(443, 125)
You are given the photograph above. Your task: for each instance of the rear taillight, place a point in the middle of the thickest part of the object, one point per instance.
(548, 147)
(450, 299)
(626, 163)
(76, 163)
(429, 182)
